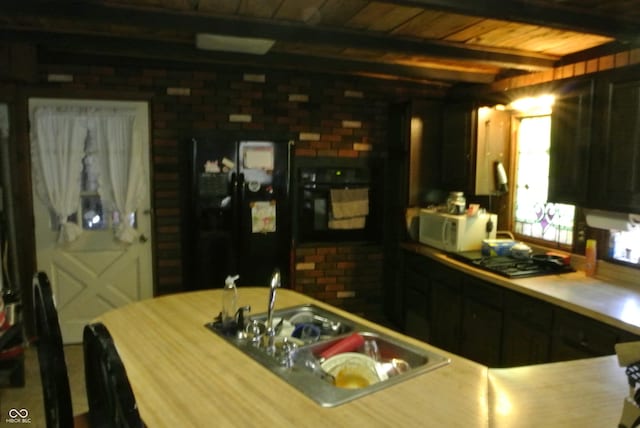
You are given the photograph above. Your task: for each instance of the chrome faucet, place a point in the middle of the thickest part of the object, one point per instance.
(271, 332)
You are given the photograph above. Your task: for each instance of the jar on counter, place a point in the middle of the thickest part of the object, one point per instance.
(456, 203)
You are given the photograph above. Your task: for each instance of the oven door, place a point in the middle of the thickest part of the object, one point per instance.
(314, 214)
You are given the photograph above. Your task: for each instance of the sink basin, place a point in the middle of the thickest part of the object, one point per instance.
(328, 324)
(397, 360)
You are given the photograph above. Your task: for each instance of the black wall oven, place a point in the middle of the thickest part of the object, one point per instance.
(314, 180)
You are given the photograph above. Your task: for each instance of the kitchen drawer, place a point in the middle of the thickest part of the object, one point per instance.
(582, 335)
(446, 275)
(533, 312)
(483, 291)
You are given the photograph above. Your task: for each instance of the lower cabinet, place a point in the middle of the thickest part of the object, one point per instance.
(526, 337)
(416, 319)
(481, 322)
(446, 308)
(495, 326)
(576, 336)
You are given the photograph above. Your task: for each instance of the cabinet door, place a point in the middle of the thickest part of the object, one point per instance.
(416, 307)
(458, 135)
(527, 324)
(571, 128)
(481, 333)
(446, 308)
(481, 322)
(616, 167)
(523, 344)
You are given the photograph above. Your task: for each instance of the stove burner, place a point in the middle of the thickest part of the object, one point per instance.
(515, 268)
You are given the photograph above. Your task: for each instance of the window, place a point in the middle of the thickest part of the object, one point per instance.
(533, 216)
(624, 246)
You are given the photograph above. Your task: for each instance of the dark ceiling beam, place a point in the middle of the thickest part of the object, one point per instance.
(173, 51)
(89, 11)
(565, 18)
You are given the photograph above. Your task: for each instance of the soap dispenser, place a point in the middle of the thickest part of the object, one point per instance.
(229, 300)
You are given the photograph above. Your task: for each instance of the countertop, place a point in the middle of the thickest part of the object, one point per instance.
(184, 375)
(612, 302)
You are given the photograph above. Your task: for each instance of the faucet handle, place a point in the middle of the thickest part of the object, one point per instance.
(239, 316)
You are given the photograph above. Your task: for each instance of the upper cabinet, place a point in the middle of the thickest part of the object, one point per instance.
(474, 140)
(571, 121)
(615, 167)
(458, 134)
(595, 143)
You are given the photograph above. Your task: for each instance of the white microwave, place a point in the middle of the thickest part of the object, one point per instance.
(456, 233)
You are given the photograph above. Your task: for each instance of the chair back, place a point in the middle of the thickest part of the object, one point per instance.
(53, 368)
(111, 400)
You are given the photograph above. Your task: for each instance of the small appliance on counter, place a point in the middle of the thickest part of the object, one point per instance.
(456, 233)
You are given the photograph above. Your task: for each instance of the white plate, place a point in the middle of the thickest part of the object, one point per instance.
(353, 370)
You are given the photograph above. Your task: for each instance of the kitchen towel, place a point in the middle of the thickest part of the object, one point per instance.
(348, 203)
(347, 223)
(349, 208)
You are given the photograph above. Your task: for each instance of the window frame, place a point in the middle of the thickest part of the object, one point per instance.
(516, 119)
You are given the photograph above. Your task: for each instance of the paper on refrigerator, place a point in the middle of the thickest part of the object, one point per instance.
(263, 217)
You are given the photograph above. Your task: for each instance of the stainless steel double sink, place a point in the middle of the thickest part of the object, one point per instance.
(294, 369)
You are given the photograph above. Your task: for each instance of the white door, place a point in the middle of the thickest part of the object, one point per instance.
(96, 272)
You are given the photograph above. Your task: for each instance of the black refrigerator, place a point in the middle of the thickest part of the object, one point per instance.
(239, 220)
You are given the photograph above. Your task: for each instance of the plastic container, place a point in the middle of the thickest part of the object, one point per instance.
(590, 257)
(497, 247)
(229, 300)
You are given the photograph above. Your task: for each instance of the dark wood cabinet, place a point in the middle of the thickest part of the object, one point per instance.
(446, 309)
(576, 336)
(416, 298)
(526, 338)
(569, 153)
(458, 134)
(615, 169)
(481, 322)
(492, 325)
(595, 143)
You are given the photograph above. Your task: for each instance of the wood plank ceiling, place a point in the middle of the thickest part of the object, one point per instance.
(440, 42)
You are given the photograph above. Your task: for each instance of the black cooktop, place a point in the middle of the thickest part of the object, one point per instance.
(511, 267)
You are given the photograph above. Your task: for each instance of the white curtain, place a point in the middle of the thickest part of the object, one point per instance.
(121, 181)
(57, 144)
(60, 138)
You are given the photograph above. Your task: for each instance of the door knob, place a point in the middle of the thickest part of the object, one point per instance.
(142, 239)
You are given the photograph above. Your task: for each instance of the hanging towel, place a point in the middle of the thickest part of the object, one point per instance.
(349, 208)
(348, 203)
(347, 223)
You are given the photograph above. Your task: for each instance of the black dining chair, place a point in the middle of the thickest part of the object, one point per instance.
(53, 367)
(111, 400)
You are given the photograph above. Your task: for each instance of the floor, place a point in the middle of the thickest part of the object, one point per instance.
(30, 397)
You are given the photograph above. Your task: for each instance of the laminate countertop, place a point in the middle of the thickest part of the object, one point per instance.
(611, 301)
(183, 375)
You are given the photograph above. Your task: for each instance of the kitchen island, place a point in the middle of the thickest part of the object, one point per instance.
(184, 375)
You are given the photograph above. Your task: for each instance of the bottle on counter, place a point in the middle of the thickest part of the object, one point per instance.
(590, 257)
(229, 300)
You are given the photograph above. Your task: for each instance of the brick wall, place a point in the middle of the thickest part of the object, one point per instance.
(329, 116)
(347, 276)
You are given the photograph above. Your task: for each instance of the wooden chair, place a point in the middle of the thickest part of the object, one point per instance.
(111, 400)
(53, 367)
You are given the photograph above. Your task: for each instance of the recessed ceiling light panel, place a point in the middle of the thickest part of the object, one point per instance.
(248, 45)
